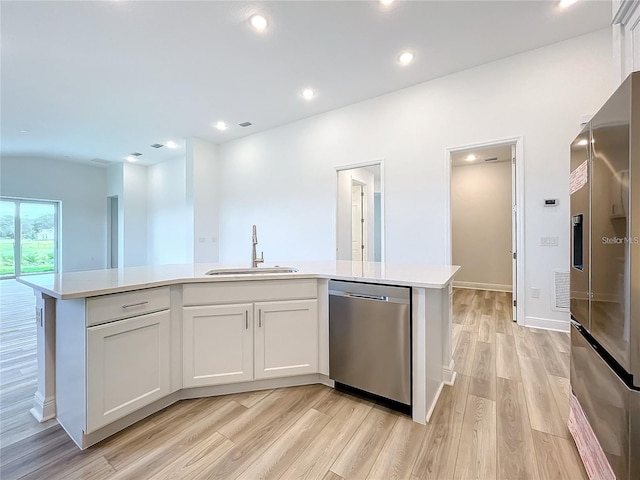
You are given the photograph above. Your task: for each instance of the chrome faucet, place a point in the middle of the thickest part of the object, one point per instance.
(254, 258)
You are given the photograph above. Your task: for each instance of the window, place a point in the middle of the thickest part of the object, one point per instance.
(28, 237)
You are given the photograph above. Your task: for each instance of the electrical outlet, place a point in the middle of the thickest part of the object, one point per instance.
(535, 292)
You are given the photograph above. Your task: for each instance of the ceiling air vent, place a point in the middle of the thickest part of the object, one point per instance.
(245, 124)
(136, 154)
(101, 161)
(156, 145)
(491, 159)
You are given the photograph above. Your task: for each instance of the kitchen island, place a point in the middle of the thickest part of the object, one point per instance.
(115, 346)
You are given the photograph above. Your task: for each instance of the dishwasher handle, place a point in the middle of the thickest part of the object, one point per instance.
(367, 296)
(380, 298)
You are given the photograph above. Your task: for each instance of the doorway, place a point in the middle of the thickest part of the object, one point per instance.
(112, 231)
(360, 216)
(29, 236)
(484, 228)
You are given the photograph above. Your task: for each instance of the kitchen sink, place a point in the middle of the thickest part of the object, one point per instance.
(251, 271)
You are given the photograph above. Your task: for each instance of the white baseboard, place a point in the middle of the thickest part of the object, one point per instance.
(255, 385)
(43, 409)
(495, 287)
(434, 403)
(449, 374)
(547, 324)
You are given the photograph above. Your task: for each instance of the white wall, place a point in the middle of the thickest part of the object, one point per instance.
(115, 188)
(167, 213)
(481, 224)
(283, 180)
(202, 199)
(82, 191)
(128, 182)
(182, 206)
(135, 214)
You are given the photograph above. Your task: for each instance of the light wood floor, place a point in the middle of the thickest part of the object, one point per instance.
(18, 363)
(504, 418)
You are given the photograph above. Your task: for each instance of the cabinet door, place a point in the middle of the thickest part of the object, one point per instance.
(286, 338)
(217, 344)
(128, 366)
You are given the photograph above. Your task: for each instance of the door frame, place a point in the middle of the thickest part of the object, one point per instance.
(371, 163)
(517, 208)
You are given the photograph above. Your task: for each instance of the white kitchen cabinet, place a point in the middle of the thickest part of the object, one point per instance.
(286, 338)
(217, 344)
(243, 331)
(128, 366)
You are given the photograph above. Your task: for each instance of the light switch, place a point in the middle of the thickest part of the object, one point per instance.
(549, 241)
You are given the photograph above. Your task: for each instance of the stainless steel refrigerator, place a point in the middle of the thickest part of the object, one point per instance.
(605, 276)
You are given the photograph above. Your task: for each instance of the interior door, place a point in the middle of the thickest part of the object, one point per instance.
(357, 223)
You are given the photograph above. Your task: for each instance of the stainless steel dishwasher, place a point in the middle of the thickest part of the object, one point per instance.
(370, 339)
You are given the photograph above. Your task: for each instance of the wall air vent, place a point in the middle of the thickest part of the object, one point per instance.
(245, 124)
(156, 145)
(561, 290)
(101, 161)
(491, 159)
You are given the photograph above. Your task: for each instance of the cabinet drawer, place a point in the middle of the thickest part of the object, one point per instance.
(249, 291)
(116, 306)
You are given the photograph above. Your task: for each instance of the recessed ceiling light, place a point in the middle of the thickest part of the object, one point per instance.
(566, 3)
(24, 131)
(470, 158)
(171, 144)
(405, 58)
(258, 22)
(221, 126)
(308, 93)
(583, 142)
(131, 158)
(386, 2)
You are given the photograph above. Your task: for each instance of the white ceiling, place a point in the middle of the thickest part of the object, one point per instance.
(103, 79)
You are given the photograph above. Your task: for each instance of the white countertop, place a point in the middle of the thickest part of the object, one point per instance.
(91, 283)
